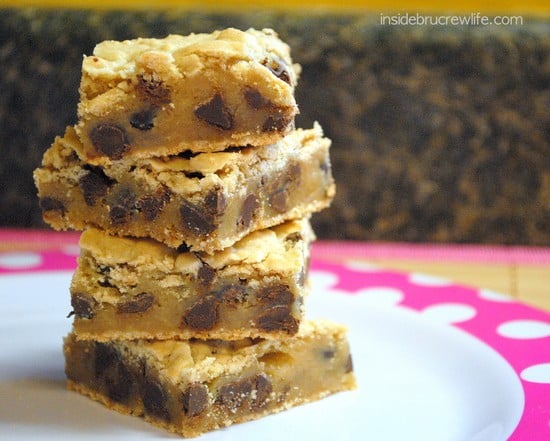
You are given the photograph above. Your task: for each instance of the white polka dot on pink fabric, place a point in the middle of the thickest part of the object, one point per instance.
(426, 280)
(449, 313)
(321, 280)
(23, 260)
(494, 296)
(362, 266)
(71, 250)
(524, 329)
(538, 373)
(380, 296)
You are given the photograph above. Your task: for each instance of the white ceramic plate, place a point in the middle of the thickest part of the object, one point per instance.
(418, 380)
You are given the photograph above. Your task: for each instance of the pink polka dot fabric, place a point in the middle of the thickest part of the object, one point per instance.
(520, 334)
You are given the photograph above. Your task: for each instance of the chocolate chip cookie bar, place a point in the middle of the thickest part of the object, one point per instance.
(137, 288)
(206, 201)
(201, 92)
(192, 387)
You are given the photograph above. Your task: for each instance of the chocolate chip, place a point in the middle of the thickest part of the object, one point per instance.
(110, 140)
(123, 205)
(195, 219)
(253, 392)
(215, 202)
(279, 200)
(232, 294)
(294, 237)
(294, 173)
(234, 395)
(278, 67)
(273, 295)
(155, 400)
(83, 305)
(105, 356)
(195, 399)
(328, 353)
(276, 123)
(263, 387)
(144, 120)
(250, 205)
(277, 318)
(349, 365)
(139, 303)
(48, 203)
(94, 185)
(119, 383)
(151, 205)
(216, 113)
(255, 99)
(116, 376)
(151, 88)
(206, 274)
(203, 315)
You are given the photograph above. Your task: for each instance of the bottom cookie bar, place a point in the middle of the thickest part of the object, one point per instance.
(192, 387)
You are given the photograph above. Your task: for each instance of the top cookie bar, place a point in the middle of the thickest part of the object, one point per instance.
(201, 92)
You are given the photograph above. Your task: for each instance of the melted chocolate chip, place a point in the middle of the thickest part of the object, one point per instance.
(294, 237)
(349, 365)
(150, 206)
(250, 205)
(275, 295)
(203, 315)
(144, 120)
(232, 294)
(139, 303)
(195, 219)
(105, 357)
(123, 205)
(234, 395)
(294, 173)
(215, 202)
(152, 89)
(110, 140)
(279, 68)
(48, 204)
(216, 113)
(250, 392)
(119, 383)
(263, 387)
(94, 185)
(328, 353)
(155, 400)
(255, 99)
(109, 366)
(279, 200)
(83, 305)
(195, 399)
(276, 123)
(277, 318)
(206, 274)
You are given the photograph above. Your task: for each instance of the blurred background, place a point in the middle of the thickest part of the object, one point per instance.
(441, 133)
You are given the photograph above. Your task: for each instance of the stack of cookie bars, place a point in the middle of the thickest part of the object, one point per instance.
(193, 190)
